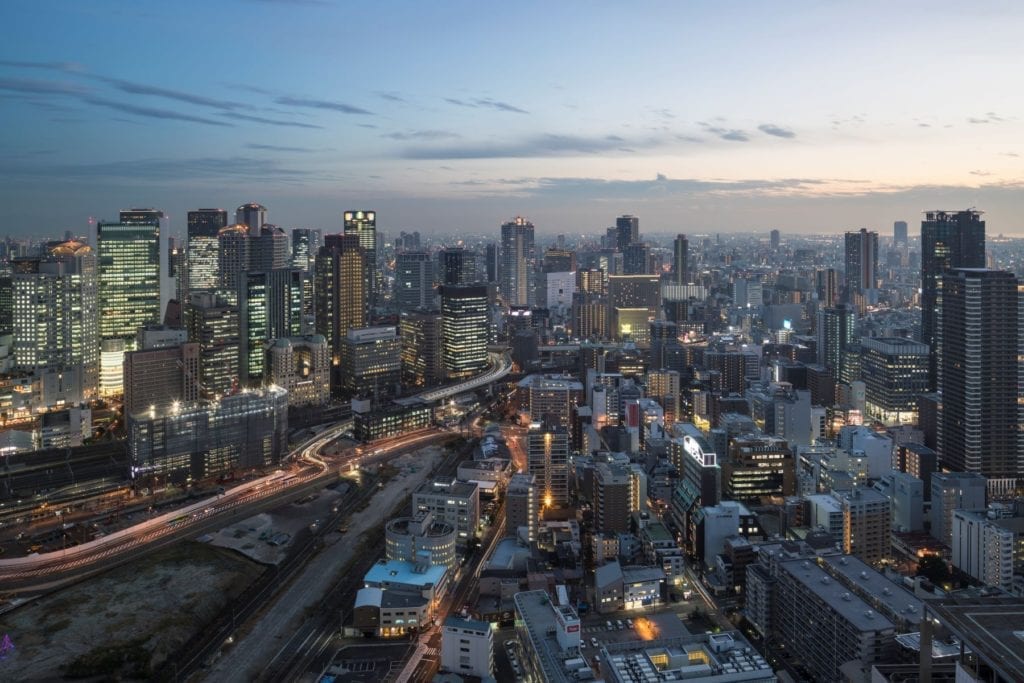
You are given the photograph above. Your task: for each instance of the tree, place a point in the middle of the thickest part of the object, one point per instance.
(933, 568)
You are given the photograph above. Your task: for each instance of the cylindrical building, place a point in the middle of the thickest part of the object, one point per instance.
(410, 539)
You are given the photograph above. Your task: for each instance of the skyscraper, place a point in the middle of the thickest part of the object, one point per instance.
(948, 240)
(55, 316)
(518, 260)
(861, 262)
(491, 262)
(253, 215)
(464, 329)
(340, 298)
(233, 259)
(774, 237)
(306, 243)
(212, 322)
(627, 231)
(414, 280)
(977, 346)
(457, 266)
(835, 333)
(203, 228)
(680, 254)
(269, 307)
(899, 233)
(157, 219)
(636, 258)
(363, 224)
(548, 460)
(895, 373)
(129, 278)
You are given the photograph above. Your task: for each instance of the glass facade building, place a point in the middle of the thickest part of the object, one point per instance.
(464, 329)
(129, 278)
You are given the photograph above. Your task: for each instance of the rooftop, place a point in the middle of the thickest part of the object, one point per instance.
(837, 596)
(447, 487)
(896, 599)
(698, 657)
(533, 608)
(470, 624)
(638, 574)
(992, 628)
(406, 573)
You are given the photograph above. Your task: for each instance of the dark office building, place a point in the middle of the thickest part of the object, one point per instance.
(680, 254)
(627, 231)
(457, 266)
(948, 240)
(861, 261)
(899, 233)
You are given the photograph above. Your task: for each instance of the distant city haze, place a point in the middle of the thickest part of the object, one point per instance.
(452, 117)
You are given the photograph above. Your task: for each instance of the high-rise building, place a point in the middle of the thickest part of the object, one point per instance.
(953, 491)
(948, 240)
(861, 262)
(233, 257)
(548, 459)
(680, 256)
(492, 262)
(826, 285)
(464, 329)
(774, 238)
(414, 280)
(899, 233)
(867, 519)
(451, 501)
(160, 378)
(363, 224)
(129, 278)
(976, 338)
(895, 372)
(203, 263)
(518, 261)
(758, 467)
(636, 258)
(212, 322)
(269, 250)
(457, 266)
(522, 505)
(627, 231)
(559, 260)
(55, 314)
(835, 335)
(252, 215)
(270, 306)
(612, 498)
(306, 242)
(302, 367)
(371, 361)
(422, 360)
(340, 295)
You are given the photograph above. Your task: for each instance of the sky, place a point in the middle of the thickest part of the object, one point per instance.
(811, 117)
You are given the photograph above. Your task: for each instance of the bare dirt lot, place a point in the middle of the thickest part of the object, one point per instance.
(123, 624)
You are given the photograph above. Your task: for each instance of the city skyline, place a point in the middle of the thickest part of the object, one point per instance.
(445, 119)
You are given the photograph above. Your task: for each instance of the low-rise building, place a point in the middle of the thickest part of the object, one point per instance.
(550, 636)
(420, 537)
(700, 657)
(398, 597)
(642, 587)
(452, 501)
(467, 647)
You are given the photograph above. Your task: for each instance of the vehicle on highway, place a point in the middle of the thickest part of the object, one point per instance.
(619, 625)
(609, 625)
(629, 623)
(593, 641)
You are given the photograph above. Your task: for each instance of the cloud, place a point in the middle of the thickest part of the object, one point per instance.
(777, 131)
(150, 112)
(989, 117)
(486, 102)
(730, 134)
(269, 122)
(66, 67)
(340, 107)
(34, 87)
(391, 97)
(189, 98)
(547, 145)
(229, 169)
(422, 135)
(980, 173)
(279, 148)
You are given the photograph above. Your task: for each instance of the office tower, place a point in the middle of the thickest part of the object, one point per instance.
(895, 372)
(867, 520)
(774, 239)
(552, 399)
(457, 266)
(464, 329)
(548, 460)
(213, 323)
(203, 247)
(555, 291)
(835, 334)
(680, 256)
(340, 295)
(861, 262)
(664, 386)
(252, 215)
(414, 280)
(635, 291)
(589, 316)
(306, 242)
(948, 240)
(302, 367)
(233, 257)
(363, 224)
(55, 314)
(408, 241)
(748, 293)
(954, 491)
(522, 506)
(899, 233)
(758, 467)
(269, 248)
(371, 361)
(611, 497)
(270, 306)
(976, 337)
(559, 260)
(422, 360)
(590, 281)
(198, 440)
(129, 278)
(518, 259)
(160, 378)
(492, 262)
(636, 259)
(627, 231)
